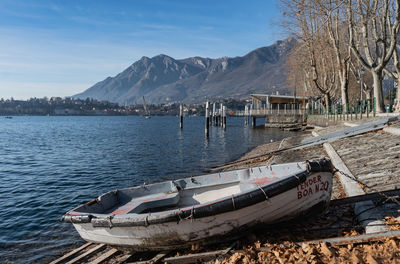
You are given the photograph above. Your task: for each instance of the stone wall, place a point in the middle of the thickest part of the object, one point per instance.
(285, 120)
(322, 121)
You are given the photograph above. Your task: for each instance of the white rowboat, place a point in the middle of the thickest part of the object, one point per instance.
(203, 209)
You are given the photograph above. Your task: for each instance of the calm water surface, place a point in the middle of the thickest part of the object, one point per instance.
(51, 164)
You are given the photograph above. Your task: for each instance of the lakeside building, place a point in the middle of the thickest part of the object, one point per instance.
(278, 102)
(278, 110)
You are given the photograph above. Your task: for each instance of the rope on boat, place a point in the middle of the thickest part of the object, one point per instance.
(233, 202)
(109, 218)
(266, 196)
(179, 215)
(297, 177)
(191, 216)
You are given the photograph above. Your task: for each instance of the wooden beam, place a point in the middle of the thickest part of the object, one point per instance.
(199, 257)
(193, 258)
(154, 260)
(105, 256)
(86, 254)
(123, 258)
(70, 254)
(366, 197)
(366, 238)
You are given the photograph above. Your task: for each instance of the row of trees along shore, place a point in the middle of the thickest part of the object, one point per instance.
(344, 44)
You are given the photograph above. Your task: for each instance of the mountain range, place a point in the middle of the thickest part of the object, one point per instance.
(163, 79)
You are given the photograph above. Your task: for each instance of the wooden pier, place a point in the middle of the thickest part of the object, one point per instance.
(281, 111)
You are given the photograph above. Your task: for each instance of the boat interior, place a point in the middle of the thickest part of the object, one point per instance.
(183, 193)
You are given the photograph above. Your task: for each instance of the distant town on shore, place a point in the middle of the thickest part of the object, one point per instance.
(68, 106)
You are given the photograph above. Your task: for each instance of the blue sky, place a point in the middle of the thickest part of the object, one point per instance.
(60, 48)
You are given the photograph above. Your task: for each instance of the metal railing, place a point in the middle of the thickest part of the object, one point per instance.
(353, 110)
(265, 112)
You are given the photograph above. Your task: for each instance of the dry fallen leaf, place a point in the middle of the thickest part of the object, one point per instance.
(371, 259)
(354, 258)
(325, 250)
(305, 247)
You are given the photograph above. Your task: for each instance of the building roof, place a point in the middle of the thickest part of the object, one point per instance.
(264, 96)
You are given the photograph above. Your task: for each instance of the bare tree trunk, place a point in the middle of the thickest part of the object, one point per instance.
(367, 93)
(377, 78)
(327, 101)
(384, 25)
(397, 109)
(344, 91)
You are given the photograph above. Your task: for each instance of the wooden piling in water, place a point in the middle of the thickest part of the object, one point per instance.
(214, 115)
(221, 114)
(224, 117)
(246, 115)
(253, 122)
(207, 120)
(181, 117)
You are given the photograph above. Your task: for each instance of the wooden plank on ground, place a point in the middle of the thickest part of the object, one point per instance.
(70, 254)
(105, 256)
(367, 213)
(86, 254)
(366, 197)
(154, 260)
(366, 238)
(123, 258)
(199, 257)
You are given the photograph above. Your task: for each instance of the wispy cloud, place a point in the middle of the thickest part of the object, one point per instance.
(161, 27)
(92, 21)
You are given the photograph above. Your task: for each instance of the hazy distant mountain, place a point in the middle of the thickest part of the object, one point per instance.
(163, 79)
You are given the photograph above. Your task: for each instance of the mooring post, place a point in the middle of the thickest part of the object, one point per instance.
(253, 121)
(181, 116)
(246, 115)
(207, 119)
(224, 117)
(216, 116)
(213, 114)
(221, 112)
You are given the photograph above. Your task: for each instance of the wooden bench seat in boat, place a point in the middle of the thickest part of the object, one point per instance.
(147, 203)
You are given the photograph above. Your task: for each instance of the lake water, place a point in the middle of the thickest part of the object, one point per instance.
(51, 164)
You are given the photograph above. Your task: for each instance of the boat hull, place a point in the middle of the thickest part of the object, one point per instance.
(314, 192)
